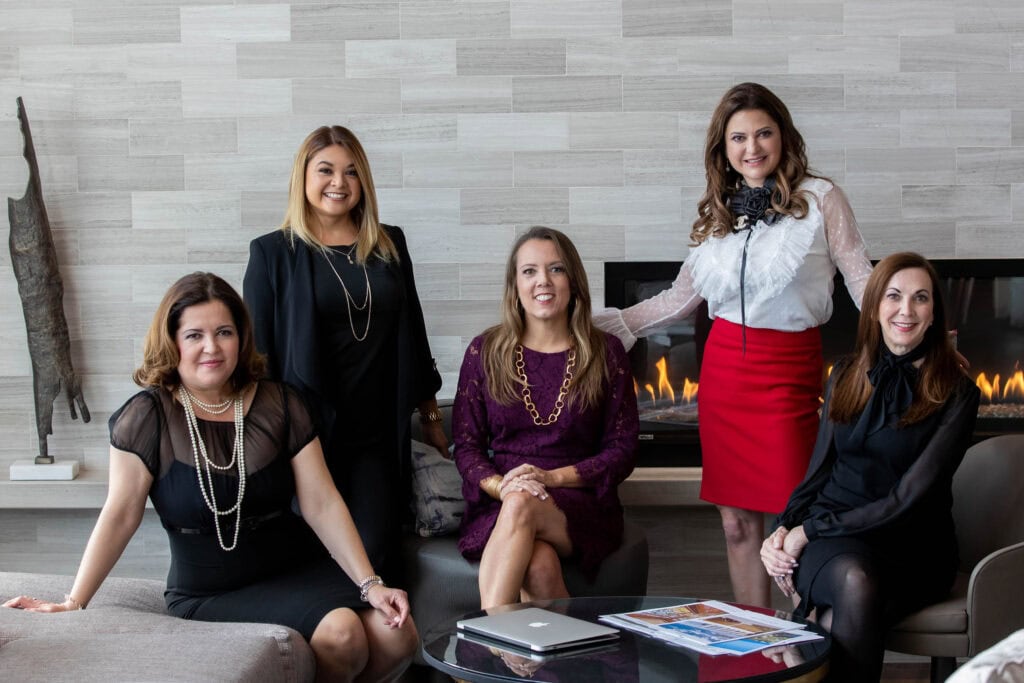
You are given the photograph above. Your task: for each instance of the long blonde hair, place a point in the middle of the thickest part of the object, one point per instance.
(372, 239)
(714, 218)
(498, 350)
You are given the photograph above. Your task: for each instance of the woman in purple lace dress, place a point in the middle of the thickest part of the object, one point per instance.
(545, 428)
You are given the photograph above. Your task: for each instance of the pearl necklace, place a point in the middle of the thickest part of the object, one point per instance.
(570, 363)
(349, 301)
(212, 408)
(202, 460)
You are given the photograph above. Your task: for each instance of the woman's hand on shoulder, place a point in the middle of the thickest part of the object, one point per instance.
(30, 604)
(392, 603)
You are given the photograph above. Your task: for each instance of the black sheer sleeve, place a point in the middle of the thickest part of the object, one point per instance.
(301, 429)
(135, 428)
(934, 467)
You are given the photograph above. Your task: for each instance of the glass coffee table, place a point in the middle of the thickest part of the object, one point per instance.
(632, 658)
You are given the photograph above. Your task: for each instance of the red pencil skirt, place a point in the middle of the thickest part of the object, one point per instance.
(758, 413)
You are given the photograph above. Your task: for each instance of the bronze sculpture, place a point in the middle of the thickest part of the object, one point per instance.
(42, 292)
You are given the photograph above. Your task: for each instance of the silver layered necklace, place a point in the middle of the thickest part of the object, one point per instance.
(350, 302)
(205, 465)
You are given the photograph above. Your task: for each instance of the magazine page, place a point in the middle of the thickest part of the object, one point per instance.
(713, 627)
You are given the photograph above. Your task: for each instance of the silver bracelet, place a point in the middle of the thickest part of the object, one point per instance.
(366, 584)
(77, 605)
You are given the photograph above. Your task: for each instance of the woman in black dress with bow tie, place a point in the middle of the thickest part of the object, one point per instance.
(867, 537)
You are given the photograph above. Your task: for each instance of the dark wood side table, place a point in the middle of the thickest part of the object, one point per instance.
(632, 659)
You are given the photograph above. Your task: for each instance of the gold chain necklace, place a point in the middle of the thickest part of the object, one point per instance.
(350, 302)
(570, 363)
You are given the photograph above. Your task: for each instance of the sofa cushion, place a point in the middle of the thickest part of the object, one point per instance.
(437, 492)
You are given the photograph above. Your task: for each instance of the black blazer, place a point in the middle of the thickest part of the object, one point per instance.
(278, 289)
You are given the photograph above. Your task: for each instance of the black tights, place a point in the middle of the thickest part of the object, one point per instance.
(848, 586)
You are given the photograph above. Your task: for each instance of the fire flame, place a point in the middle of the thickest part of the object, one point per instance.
(688, 390)
(996, 391)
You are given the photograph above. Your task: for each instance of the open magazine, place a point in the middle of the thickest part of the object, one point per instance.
(713, 627)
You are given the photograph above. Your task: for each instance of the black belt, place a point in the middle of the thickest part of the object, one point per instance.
(248, 523)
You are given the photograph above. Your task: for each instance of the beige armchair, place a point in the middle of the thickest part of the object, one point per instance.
(987, 600)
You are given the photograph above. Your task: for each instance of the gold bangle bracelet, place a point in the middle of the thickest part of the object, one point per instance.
(492, 486)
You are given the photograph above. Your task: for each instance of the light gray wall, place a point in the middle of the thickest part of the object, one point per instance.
(166, 128)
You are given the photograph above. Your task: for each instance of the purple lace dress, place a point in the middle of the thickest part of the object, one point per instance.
(601, 442)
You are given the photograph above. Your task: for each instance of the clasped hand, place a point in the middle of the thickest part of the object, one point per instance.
(779, 554)
(529, 479)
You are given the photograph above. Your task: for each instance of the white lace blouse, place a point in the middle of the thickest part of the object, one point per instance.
(789, 272)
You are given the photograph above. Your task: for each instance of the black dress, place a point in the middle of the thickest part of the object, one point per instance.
(887, 497)
(278, 572)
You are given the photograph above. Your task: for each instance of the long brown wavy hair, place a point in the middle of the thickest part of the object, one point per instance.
(299, 219)
(714, 218)
(160, 356)
(498, 350)
(940, 371)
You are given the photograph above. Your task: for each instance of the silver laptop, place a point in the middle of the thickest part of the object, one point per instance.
(538, 629)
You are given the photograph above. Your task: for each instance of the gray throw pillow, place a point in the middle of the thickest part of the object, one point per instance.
(437, 492)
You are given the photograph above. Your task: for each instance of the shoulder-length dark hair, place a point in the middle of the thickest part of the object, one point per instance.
(497, 352)
(940, 371)
(714, 218)
(300, 221)
(160, 355)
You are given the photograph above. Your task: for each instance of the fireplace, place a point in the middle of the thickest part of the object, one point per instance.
(985, 298)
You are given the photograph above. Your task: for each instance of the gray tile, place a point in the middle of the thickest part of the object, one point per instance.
(105, 284)
(1017, 202)
(986, 239)
(99, 25)
(572, 169)
(955, 127)
(58, 174)
(1017, 129)
(996, 16)
(194, 136)
(505, 205)
(9, 63)
(960, 202)
(960, 53)
(874, 203)
(674, 18)
(49, 62)
(566, 19)
(450, 19)
(693, 128)
(990, 91)
(844, 55)
(830, 163)
(125, 248)
(1017, 53)
(566, 93)
(654, 130)
(660, 242)
(649, 205)
(806, 92)
(213, 211)
(454, 244)
(457, 169)
(346, 95)
(104, 356)
(178, 61)
(22, 26)
(463, 94)
(664, 167)
(264, 211)
(437, 282)
(513, 132)
(345, 21)
(407, 133)
(788, 18)
(521, 57)
(236, 172)
(217, 246)
(110, 173)
(157, 99)
(80, 137)
(901, 165)
(903, 91)
(672, 93)
(291, 60)
(43, 100)
(465, 318)
(277, 135)
(254, 24)
(89, 210)
(404, 58)
(728, 56)
(210, 98)
(386, 166)
(596, 244)
(989, 165)
(905, 18)
(482, 282)
(933, 239)
(416, 208)
(628, 56)
(843, 129)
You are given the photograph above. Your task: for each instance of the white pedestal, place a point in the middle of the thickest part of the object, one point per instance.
(59, 470)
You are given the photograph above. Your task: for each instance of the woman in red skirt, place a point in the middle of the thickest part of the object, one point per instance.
(769, 236)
